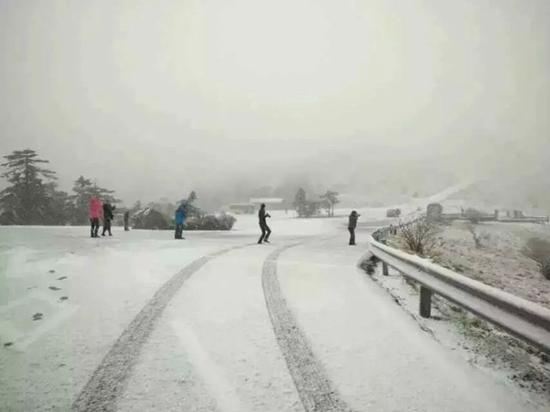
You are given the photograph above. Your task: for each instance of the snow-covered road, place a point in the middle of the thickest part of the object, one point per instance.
(217, 323)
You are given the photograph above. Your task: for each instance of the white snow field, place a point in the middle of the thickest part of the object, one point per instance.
(217, 322)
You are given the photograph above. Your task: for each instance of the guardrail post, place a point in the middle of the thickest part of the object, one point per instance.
(385, 271)
(425, 302)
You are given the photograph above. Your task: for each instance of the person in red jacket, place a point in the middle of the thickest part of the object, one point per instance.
(94, 212)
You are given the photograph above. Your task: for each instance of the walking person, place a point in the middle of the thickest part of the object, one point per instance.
(179, 219)
(107, 218)
(352, 224)
(266, 231)
(126, 221)
(94, 211)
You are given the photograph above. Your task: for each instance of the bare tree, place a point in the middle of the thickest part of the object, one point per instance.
(475, 235)
(419, 236)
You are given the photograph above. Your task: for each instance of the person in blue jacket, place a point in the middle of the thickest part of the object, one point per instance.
(179, 218)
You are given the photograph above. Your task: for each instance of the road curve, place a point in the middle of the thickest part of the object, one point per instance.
(315, 389)
(108, 382)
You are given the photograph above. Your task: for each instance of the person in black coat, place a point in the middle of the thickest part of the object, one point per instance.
(352, 224)
(107, 218)
(266, 231)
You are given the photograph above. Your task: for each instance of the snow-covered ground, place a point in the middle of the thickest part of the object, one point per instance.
(216, 322)
(499, 261)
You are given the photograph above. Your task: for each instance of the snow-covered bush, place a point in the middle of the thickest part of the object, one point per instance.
(393, 212)
(210, 222)
(481, 239)
(473, 215)
(149, 218)
(539, 250)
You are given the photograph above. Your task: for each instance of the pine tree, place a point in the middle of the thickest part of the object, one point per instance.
(59, 206)
(300, 202)
(27, 200)
(84, 189)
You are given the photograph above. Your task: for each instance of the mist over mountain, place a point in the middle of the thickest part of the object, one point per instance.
(381, 99)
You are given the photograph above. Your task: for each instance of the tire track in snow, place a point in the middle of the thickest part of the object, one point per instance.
(108, 382)
(315, 389)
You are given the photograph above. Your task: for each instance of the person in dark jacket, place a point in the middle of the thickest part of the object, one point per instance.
(107, 218)
(179, 219)
(352, 224)
(126, 221)
(266, 231)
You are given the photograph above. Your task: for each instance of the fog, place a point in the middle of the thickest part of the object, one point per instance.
(154, 99)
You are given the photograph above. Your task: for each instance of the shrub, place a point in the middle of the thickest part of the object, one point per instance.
(150, 219)
(393, 212)
(473, 215)
(419, 236)
(539, 250)
(210, 222)
(369, 265)
(480, 238)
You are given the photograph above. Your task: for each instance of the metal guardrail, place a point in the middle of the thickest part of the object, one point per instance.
(524, 319)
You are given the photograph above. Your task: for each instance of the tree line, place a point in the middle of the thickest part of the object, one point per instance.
(33, 198)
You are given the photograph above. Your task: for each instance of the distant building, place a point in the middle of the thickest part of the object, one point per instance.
(434, 212)
(277, 203)
(242, 208)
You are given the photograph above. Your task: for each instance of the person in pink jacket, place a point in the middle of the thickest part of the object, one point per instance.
(95, 207)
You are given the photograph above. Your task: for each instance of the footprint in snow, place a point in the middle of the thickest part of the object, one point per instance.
(8, 344)
(62, 277)
(54, 288)
(37, 316)
(62, 298)
(52, 271)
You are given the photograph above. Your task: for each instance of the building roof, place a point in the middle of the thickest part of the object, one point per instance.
(241, 205)
(266, 200)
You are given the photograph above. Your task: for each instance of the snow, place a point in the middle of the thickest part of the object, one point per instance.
(499, 262)
(108, 281)
(370, 347)
(214, 348)
(221, 325)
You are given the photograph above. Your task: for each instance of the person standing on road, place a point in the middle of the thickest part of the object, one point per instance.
(266, 231)
(126, 221)
(107, 218)
(352, 224)
(179, 219)
(94, 211)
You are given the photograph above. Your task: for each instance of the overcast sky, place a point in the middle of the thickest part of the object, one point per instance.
(150, 97)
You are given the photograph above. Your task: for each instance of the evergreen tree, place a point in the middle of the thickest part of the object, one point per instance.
(27, 200)
(59, 206)
(300, 202)
(84, 189)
